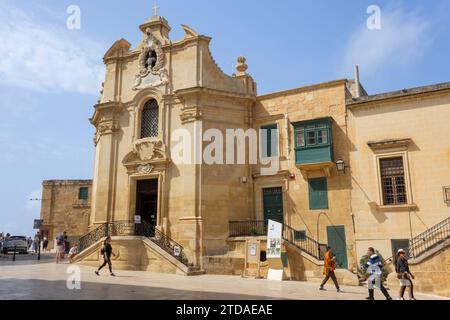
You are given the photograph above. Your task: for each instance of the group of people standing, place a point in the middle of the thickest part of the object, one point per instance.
(33, 244)
(374, 269)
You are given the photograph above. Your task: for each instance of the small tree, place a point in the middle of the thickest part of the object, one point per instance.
(363, 261)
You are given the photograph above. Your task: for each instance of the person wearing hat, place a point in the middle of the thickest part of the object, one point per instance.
(404, 275)
(374, 268)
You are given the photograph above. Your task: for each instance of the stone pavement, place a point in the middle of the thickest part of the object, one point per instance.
(27, 279)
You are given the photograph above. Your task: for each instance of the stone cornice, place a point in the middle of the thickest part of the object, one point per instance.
(399, 96)
(312, 87)
(184, 93)
(105, 106)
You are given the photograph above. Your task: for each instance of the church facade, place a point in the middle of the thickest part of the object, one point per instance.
(175, 151)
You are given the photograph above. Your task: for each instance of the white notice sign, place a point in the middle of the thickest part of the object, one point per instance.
(274, 235)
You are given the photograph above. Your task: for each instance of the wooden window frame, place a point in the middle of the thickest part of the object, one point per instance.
(409, 198)
(319, 125)
(87, 193)
(269, 128)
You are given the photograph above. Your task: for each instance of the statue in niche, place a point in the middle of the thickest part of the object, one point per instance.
(151, 59)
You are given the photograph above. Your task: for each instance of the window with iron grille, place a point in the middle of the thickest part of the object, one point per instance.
(83, 193)
(393, 181)
(149, 120)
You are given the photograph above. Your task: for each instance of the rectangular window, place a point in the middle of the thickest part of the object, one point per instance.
(83, 193)
(322, 137)
(393, 181)
(312, 135)
(269, 141)
(311, 138)
(318, 194)
(299, 235)
(300, 138)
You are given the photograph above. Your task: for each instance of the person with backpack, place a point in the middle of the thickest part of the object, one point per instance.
(329, 267)
(60, 247)
(404, 275)
(375, 269)
(106, 252)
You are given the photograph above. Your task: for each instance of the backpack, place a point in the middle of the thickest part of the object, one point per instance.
(59, 241)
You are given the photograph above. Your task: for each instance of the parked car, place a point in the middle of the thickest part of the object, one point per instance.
(19, 242)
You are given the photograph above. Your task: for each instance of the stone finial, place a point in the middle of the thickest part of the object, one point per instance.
(241, 67)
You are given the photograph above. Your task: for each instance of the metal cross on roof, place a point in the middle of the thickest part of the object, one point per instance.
(156, 9)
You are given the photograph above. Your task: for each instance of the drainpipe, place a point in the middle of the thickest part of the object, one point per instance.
(288, 145)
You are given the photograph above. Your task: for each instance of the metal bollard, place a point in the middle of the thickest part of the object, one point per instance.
(14, 254)
(39, 248)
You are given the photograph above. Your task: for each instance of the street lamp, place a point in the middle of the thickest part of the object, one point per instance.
(340, 165)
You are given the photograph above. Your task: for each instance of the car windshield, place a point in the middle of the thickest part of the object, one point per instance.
(17, 238)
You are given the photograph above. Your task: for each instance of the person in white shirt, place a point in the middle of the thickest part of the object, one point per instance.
(72, 253)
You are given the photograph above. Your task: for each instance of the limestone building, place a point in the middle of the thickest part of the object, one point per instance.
(351, 170)
(65, 207)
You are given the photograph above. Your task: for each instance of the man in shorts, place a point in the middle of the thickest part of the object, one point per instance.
(60, 248)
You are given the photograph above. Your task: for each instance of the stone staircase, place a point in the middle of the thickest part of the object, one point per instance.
(143, 248)
(429, 239)
(430, 260)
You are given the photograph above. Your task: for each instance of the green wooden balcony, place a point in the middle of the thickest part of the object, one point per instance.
(314, 144)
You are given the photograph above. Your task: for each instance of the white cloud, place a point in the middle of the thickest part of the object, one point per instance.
(402, 41)
(46, 57)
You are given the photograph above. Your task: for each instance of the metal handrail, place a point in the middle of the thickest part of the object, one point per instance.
(305, 243)
(253, 228)
(430, 238)
(248, 228)
(117, 228)
(163, 241)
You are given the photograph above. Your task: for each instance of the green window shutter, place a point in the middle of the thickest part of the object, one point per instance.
(318, 194)
(83, 193)
(268, 145)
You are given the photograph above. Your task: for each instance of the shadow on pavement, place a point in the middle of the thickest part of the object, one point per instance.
(25, 259)
(19, 289)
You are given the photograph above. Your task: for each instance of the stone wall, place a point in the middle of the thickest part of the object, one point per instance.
(419, 120)
(62, 210)
(432, 274)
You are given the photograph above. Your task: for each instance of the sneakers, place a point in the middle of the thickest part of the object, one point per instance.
(96, 272)
(113, 275)
(322, 289)
(340, 290)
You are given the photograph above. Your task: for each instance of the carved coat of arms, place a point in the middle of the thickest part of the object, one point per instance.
(151, 64)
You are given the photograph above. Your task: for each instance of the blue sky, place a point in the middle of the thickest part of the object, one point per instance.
(50, 76)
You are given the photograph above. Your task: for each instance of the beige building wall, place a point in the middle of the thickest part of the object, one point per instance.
(303, 104)
(62, 210)
(197, 200)
(422, 118)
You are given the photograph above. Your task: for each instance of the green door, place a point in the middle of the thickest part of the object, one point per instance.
(336, 240)
(273, 204)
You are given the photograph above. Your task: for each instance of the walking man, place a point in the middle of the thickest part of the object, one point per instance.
(106, 253)
(374, 268)
(329, 267)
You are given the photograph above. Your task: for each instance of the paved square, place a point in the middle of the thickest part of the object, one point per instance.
(28, 279)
